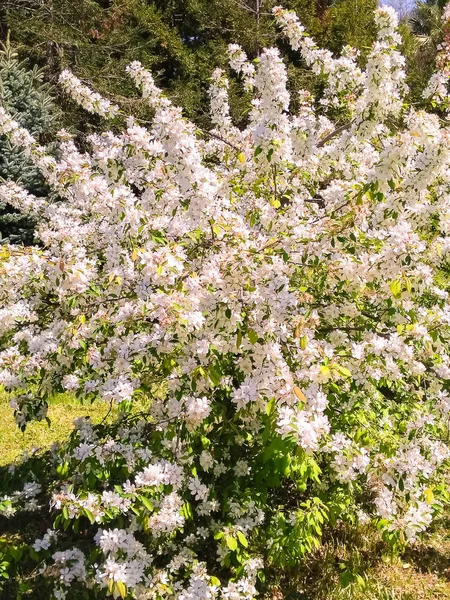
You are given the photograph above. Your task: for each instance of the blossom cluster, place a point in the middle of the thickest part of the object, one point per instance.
(89, 100)
(436, 90)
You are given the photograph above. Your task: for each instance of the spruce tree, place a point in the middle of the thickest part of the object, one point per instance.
(25, 95)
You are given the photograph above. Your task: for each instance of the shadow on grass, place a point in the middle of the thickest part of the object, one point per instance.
(428, 559)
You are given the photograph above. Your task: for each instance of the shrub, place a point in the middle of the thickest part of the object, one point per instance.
(273, 295)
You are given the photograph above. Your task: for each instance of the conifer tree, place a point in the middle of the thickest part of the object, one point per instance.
(180, 40)
(23, 93)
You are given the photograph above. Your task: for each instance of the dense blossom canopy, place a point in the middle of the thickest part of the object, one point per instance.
(276, 297)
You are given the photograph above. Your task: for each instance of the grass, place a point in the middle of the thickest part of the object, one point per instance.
(62, 411)
(422, 573)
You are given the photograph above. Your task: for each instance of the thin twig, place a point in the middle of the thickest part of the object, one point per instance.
(221, 139)
(108, 413)
(333, 134)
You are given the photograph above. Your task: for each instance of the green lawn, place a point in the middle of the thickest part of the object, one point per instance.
(63, 409)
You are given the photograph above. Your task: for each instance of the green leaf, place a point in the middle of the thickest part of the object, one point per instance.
(121, 588)
(231, 543)
(215, 375)
(89, 515)
(63, 470)
(242, 539)
(396, 288)
(146, 502)
(429, 496)
(343, 371)
(238, 339)
(345, 578)
(186, 511)
(252, 336)
(270, 406)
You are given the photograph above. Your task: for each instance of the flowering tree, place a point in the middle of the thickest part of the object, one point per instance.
(276, 297)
